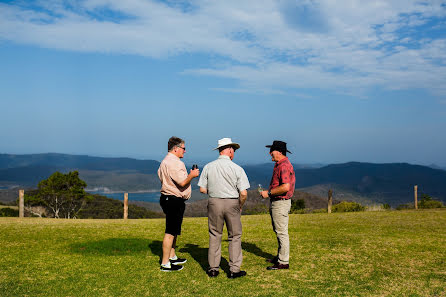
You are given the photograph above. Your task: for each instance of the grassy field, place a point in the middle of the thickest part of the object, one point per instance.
(398, 253)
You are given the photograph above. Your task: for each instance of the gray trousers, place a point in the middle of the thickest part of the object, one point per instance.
(279, 210)
(219, 212)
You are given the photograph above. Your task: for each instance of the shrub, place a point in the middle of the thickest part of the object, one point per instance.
(320, 210)
(345, 206)
(9, 212)
(386, 206)
(297, 204)
(299, 211)
(431, 204)
(405, 206)
(427, 202)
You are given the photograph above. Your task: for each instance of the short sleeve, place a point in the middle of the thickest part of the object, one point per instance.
(243, 182)
(285, 175)
(203, 181)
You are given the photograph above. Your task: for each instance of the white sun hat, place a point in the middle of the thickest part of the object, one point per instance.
(225, 142)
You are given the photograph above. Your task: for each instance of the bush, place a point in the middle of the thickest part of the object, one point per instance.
(297, 204)
(427, 202)
(386, 206)
(320, 210)
(431, 204)
(9, 212)
(405, 206)
(345, 206)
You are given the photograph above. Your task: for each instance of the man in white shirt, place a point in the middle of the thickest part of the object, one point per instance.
(226, 183)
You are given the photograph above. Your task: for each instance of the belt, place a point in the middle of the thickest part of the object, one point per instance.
(172, 197)
(276, 199)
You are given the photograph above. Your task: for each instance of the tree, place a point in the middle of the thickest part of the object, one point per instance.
(63, 194)
(297, 204)
(427, 202)
(34, 205)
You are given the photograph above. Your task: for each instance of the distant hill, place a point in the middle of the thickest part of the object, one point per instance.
(78, 162)
(118, 174)
(373, 183)
(254, 204)
(362, 182)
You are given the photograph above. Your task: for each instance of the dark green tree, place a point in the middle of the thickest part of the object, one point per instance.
(427, 201)
(297, 204)
(63, 194)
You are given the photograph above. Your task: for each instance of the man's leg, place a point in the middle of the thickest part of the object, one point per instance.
(276, 257)
(168, 242)
(234, 226)
(279, 213)
(174, 245)
(215, 223)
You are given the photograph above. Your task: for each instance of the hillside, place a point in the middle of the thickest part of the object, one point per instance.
(256, 204)
(118, 174)
(363, 182)
(366, 182)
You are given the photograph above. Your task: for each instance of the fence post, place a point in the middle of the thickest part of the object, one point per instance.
(21, 203)
(415, 193)
(126, 205)
(330, 200)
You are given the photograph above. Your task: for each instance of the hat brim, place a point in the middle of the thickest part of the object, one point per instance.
(271, 146)
(236, 146)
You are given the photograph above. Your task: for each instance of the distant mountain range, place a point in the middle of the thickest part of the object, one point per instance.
(362, 182)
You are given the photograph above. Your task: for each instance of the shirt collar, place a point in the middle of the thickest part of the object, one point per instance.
(224, 157)
(172, 156)
(283, 160)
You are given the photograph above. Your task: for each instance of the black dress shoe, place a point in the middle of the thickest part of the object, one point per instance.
(278, 266)
(212, 273)
(236, 274)
(273, 260)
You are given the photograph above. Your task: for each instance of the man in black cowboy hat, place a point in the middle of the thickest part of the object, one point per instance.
(280, 191)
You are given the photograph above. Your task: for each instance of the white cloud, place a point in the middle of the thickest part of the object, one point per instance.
(267, 46)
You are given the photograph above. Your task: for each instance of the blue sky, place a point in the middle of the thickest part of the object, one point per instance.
(338, 80)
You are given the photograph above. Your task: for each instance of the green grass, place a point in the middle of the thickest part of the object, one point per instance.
(399, 253)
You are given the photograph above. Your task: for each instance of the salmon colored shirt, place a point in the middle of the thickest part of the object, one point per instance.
(171, 172)
(283, 174)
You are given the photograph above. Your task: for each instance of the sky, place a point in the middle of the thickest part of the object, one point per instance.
(338, 81)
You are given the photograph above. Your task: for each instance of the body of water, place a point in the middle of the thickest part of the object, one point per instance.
(144, 196)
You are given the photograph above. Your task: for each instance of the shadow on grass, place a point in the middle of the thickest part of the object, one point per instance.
(156, 246)
(254, 249)
(201, 256)
(111, 246)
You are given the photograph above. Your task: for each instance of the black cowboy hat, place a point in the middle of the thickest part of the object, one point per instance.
(278, 146)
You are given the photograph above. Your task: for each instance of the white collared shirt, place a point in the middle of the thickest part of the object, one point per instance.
(223, 178)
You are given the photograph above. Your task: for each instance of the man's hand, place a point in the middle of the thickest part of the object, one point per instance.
(264, 194)
(194, 173)
(242, 198)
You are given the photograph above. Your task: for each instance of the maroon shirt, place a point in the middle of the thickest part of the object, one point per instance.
(283, 174)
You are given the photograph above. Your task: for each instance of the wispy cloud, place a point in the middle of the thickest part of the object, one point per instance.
(266, 46)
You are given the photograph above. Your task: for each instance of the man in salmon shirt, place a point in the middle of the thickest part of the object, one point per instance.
(280, 191)
(175, 190)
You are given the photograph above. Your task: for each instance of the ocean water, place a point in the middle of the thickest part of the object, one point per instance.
(145, 196)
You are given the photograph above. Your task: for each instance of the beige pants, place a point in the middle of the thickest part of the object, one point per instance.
(219, 212)
(279, 210)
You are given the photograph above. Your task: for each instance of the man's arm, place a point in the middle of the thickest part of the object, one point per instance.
(242, 197)
(193, 174)
(203, 190)
(282, 189)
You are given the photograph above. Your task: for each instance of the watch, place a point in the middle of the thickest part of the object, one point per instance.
(269, 193)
